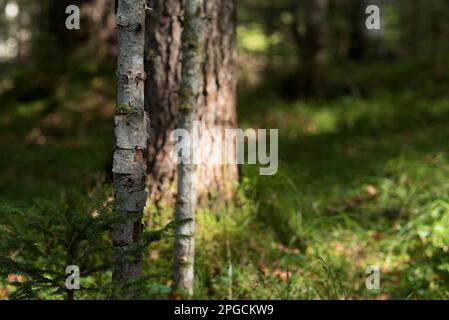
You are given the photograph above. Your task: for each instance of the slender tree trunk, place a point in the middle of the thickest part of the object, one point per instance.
(357, 48)
(312, 44)
(191, 79)
(218, 91)
(131, 130)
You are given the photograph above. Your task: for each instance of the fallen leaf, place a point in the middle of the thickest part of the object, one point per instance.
(372, 191)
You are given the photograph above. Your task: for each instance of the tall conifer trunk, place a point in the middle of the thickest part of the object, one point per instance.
(218, 94)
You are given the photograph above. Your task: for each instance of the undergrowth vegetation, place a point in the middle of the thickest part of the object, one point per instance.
(363, 180)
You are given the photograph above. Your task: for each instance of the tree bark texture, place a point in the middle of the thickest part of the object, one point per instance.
(131, 131)
(313, 44)
(163, 64)
(218, 95)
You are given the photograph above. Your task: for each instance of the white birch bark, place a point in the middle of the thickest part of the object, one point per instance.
(131, 122)
(190, 95)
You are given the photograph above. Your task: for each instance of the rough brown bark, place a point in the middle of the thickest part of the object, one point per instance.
(162, 63)
(218, 93)
(191, 80)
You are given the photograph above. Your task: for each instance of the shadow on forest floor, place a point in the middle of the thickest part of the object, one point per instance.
(362, 181)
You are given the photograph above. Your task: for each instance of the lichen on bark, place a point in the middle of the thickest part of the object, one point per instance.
(124, 109)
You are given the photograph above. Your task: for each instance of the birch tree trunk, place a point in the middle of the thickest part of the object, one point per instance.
(131, 126)
(190, 96)
(218, 91)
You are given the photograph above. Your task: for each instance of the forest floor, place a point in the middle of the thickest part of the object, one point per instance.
(363, 180)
